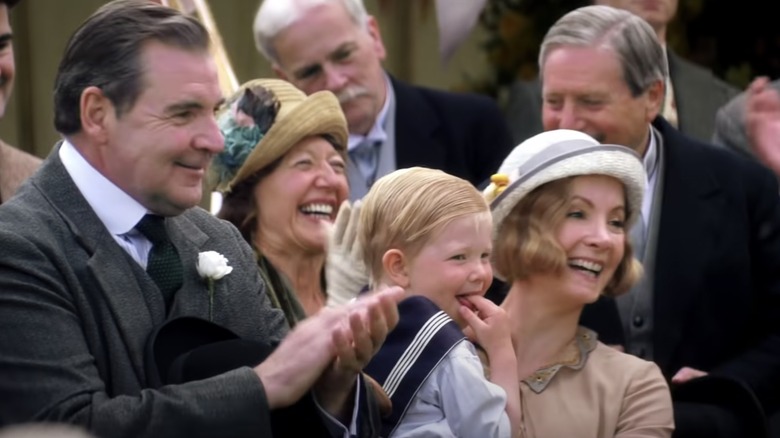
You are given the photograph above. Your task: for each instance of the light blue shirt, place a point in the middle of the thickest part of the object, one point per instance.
(377, 132)
(457, 401)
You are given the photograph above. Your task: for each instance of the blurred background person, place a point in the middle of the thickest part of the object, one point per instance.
(730, 126)
(335, 45)
(762, 120)
(693, 93)
(15, 165)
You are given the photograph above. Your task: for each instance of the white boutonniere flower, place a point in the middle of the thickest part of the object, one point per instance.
(212, 266)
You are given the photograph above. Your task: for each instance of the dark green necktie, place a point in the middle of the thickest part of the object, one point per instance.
(164, 265)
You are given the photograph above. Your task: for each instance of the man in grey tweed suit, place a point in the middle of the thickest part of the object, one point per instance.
(134, 100)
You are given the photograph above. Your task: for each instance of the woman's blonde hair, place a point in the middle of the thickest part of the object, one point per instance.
(526, 243)
(405, 208)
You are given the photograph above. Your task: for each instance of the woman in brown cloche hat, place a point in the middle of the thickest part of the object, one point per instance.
(282, 176)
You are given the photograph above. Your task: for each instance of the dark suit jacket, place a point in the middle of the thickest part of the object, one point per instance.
(462, 134)
(76, 311)
(697, 92)
(717, 276)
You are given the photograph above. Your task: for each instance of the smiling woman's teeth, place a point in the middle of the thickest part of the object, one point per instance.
(585, 265)
(319, 209)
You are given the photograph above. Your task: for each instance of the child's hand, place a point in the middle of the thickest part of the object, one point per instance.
(488, 323)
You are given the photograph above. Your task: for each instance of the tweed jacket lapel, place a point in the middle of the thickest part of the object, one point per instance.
(688, 227)
(114, 279)
(192, 298)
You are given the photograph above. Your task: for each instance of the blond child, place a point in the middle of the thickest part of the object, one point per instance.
(430, 233)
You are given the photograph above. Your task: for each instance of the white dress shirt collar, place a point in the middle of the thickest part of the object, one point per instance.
(650, 160)
(118, 211)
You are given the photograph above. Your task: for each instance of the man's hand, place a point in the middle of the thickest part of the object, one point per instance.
(345, 272)
(370, 320)
(686, 374)
(329, 348)
(359, 337)
(762, 122)
(300, 358)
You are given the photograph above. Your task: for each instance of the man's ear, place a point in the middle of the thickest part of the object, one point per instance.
(395, 265)
(655, 99)
(376, 36)
(96, 112)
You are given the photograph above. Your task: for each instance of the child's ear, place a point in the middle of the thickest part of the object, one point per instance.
(395, 266)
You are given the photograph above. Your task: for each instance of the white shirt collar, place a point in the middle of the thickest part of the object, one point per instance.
(666, 60)
(118, 211)
(377, 133)
(650, 160)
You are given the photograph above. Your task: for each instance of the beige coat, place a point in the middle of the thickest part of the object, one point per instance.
(15, 167)
(613, 395)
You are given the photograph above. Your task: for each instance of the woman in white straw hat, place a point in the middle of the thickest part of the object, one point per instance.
(561, 205)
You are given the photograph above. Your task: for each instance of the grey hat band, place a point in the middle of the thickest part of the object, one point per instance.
(554, 154)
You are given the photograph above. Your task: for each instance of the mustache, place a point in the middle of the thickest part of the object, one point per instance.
(352, 92)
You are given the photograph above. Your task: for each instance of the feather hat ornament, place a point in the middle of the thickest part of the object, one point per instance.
(266, 118)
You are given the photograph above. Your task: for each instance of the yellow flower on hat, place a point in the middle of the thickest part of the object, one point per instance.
(498, 183)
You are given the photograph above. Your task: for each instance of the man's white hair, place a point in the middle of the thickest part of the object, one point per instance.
(274, 16)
